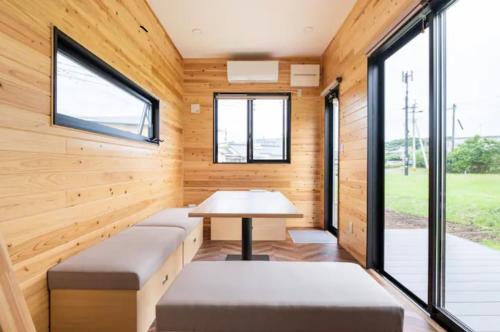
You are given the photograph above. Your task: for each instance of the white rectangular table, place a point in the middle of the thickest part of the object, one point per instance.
(247, 205)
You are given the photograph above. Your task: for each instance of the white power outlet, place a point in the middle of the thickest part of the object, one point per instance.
(195, 108)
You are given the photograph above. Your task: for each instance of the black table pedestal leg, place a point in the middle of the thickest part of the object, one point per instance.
(246, 239)
(246, 244)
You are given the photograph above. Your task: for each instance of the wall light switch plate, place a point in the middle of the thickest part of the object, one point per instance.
(195, 108)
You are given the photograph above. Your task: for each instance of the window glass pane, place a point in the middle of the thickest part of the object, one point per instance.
(232, 130)
(334, 142)
(472, 253)
(269, 129)
(335, 161)
(84, 95)
(406, 151)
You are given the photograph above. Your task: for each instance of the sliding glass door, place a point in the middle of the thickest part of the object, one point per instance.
(471, 121)
(332, 146)
(434, 162)
(406, 171)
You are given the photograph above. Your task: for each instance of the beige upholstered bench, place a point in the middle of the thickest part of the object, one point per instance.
(178, 217)
(115, 285)
(277, 296)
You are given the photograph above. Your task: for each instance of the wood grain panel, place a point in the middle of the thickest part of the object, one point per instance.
(365, 26)
(300, 181)
(263, 229)
(62, 190)
(14, 313)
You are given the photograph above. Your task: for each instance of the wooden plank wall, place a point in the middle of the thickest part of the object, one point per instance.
(62, 190)
(300, 181)
(367, 23)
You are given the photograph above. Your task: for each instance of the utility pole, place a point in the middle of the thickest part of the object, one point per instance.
(413, 138)
(415, 133)
(407, 78)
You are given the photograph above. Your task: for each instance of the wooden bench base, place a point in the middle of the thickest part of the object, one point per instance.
(192, 243)
(264, 229)
(82, 310)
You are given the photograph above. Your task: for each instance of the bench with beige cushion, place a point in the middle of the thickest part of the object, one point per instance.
(115, 285)
(277, 296)
(178, 217)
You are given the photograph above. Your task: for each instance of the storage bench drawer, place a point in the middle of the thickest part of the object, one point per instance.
(192, 243)
(102, 310)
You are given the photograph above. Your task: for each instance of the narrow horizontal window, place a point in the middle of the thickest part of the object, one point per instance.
(90, 95)
(252, 128)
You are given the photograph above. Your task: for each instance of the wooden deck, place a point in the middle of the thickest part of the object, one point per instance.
(472, 291)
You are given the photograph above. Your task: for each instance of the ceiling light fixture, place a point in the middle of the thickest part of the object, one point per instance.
(196, 31)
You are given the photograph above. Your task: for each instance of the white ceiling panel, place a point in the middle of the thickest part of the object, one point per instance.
(267, 28)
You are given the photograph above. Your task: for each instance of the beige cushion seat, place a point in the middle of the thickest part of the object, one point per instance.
(124, 261)
(277, 296)
(173, 217)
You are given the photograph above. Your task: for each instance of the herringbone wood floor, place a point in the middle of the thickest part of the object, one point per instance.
(415, 319)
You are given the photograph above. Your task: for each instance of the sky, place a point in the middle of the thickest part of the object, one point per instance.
(268, 118)
(232, 117)
(83, 94)
(473, 73)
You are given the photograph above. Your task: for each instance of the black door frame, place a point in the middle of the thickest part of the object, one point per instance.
(329, 162)
(430, 16)
(376, 144)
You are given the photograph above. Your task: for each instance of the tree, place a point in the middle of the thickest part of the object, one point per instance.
(475, 155)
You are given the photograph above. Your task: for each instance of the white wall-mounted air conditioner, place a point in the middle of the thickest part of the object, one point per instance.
(304, 76)
(252, 71)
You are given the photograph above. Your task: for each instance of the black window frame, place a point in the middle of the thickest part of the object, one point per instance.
(429, 16)
(248, 95)
(78, 53)
(376, 130)
(329, 161)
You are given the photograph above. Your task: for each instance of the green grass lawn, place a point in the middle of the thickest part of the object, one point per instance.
(470, 198)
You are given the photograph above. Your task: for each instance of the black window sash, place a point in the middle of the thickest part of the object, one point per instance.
(431, 16)
(64, 44)
(250, 125)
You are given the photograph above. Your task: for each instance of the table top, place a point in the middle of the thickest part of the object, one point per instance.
(247, 204)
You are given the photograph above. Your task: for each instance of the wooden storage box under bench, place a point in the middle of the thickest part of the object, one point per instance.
(192, 243)
(115, 285)
(178, 218)
(264, 229)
